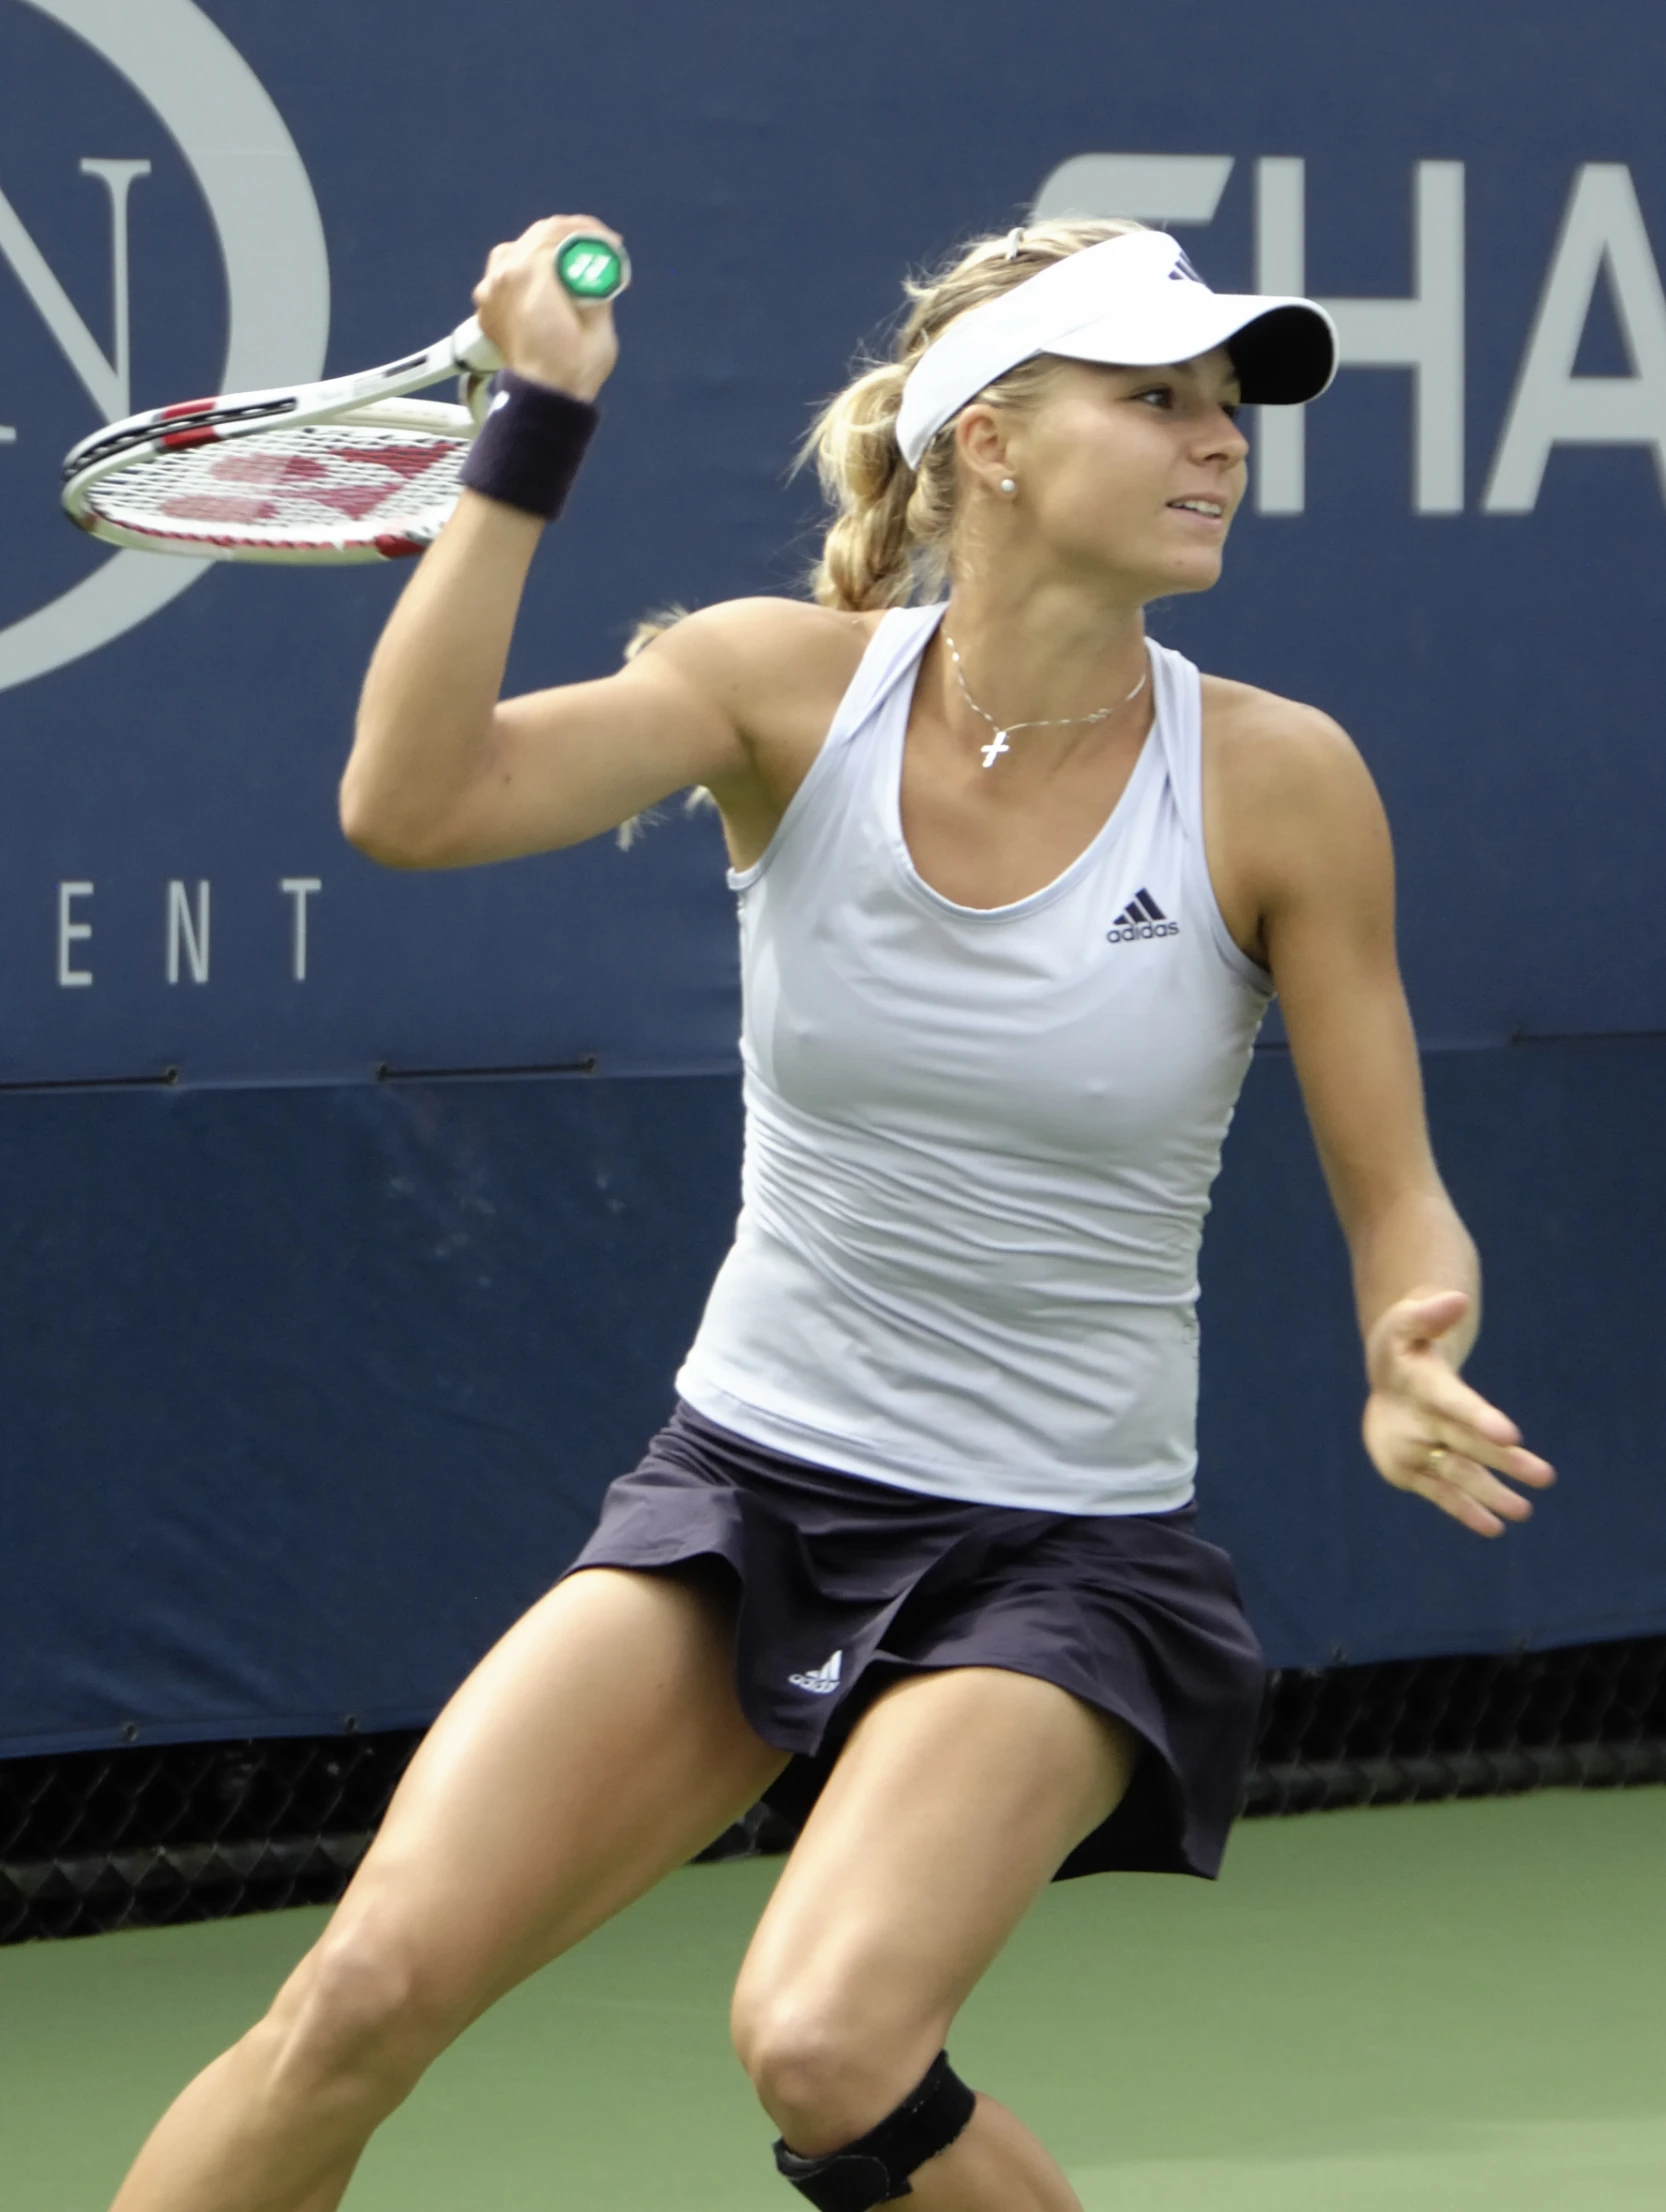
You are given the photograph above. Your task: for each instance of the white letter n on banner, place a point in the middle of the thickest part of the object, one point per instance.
(187, 933)
(1424, 333)
(106, 377)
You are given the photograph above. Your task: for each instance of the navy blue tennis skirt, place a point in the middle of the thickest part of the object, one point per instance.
(845, 1584)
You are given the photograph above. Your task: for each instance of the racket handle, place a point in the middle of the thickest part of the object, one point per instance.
(591, 269)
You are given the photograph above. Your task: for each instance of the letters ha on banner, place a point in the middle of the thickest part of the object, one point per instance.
(1603, 236)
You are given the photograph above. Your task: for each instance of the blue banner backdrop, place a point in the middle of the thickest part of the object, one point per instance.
(222, 1349)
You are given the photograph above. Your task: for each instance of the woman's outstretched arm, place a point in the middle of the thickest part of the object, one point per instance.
(1304, 806)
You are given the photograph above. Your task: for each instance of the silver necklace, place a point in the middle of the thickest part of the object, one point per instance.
(998, 743)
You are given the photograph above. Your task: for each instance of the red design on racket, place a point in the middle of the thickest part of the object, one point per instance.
(352, 469)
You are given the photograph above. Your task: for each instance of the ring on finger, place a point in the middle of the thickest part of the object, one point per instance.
(1437, 1454)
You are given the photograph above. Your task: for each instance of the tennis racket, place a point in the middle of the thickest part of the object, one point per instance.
(349, 470)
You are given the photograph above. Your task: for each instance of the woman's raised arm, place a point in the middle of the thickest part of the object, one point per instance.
(444, 773)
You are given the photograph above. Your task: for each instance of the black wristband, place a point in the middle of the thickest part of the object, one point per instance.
(530, 445)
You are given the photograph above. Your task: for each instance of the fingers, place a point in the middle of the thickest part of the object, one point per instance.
(1444, 1411)
(1408, 1364)
(549, 230)
(540, 329)
(536, 247)
(1445, 1398)
(1466, 1473)
(1514, 1462)
(1461, 1505)
(1468, 1491)
(1465, 1485)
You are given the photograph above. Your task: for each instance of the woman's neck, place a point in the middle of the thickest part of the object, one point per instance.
(1038, 653)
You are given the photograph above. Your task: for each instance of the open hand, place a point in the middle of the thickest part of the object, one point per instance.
(1428, 1432)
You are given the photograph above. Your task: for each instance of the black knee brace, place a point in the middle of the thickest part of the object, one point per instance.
(876, 2167)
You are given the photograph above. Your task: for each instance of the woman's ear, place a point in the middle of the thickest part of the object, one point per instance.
(981, 434)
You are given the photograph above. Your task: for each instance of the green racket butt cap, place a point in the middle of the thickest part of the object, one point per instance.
(592, 268)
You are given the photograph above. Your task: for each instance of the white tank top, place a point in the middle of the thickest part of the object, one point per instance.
(979, 1142)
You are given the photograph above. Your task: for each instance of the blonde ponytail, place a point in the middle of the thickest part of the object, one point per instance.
(866, 557)
(893, 526)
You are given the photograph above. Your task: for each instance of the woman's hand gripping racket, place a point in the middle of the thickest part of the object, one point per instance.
(349, 470)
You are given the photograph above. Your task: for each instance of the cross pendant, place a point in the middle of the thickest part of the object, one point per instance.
(995, 748)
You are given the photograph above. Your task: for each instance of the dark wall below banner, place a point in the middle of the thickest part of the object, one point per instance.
(310, 1390)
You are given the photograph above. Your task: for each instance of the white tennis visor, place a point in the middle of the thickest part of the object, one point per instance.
(1132, 301)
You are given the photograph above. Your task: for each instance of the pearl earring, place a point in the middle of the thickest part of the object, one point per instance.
(1008, 486)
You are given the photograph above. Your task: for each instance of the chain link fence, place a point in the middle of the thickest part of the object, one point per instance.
(145, 1836)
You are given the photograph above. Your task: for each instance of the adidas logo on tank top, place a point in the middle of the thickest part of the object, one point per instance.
(1141, 917)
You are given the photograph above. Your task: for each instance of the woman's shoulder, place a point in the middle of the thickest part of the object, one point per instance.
(776, 670)
(778, 666)
(1267, 745)
(1282, 778)
(766, 637)
(1246, 717)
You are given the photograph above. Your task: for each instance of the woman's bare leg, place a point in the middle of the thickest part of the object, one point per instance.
(955, 1800)
(598, 1746)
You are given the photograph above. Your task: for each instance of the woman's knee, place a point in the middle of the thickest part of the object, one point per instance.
(361, 2017)
(827, 2072)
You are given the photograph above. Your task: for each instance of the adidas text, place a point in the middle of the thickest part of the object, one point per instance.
(1141, 917)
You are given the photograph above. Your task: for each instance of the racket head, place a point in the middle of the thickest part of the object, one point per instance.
(351, 469)
(467, 349)
(377, 483)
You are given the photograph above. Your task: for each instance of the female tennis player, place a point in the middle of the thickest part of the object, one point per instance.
(1016, 886)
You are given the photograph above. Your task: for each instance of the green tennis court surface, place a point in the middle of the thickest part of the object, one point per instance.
(1437, 2009)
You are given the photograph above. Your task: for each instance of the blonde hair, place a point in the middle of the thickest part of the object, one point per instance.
(893, 525)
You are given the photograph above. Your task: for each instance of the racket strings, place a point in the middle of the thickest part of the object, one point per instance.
(323, 483)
